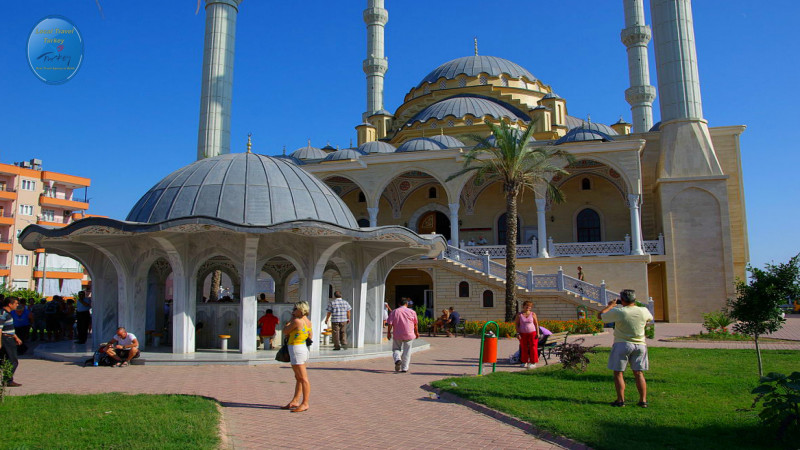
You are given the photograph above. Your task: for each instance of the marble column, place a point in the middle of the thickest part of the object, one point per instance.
(373, 216)
(248, 307)
(541, 204)
(636, 225)
(453, 224)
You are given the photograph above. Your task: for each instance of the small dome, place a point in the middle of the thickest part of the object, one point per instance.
(461, 105)
(419, 145)
(308, 152)
(656, 126)
(581, 134)
(245, 189)
(550, 95)
(291, 159)
(573, 122)
(328, 148)
(376, 147)
(472, 66)
(346, 154)
(517, 133)
(381, 112)
(448, 141)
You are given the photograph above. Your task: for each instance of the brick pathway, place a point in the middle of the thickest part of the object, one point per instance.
(355, 404)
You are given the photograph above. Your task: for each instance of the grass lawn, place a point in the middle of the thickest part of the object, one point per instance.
(698, 399)
(109, 421)
(729, 337)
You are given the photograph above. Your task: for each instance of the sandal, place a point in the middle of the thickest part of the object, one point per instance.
(125, 364)
(618, 404)
(119, 364)
(642, 404)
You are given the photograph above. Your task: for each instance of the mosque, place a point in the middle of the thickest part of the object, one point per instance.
(656, 207)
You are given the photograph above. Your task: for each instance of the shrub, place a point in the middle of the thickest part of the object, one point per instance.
(717, 321)
(781, 397)
(650, 330)
(573, 355)
(507, 329)
(424, 324)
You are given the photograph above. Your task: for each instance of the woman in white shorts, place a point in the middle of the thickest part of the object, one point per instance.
(298, 331)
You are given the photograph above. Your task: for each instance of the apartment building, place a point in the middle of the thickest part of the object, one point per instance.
(31, 195)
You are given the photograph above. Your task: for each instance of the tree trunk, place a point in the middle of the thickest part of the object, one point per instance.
(758, 352)
(511, 252)
(216, 279)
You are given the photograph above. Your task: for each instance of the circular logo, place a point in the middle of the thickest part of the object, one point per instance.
(55, 49)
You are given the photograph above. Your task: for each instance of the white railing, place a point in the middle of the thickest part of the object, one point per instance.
(529, 280)
(556, 249)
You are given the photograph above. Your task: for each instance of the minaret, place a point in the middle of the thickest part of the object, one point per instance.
(214, 135)
(375, 65)
(640, 95)
(686, 148)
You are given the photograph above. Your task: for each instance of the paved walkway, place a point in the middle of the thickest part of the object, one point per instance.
(354, 404)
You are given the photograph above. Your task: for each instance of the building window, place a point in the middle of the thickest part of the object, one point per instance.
(462, 81)
(363, 223)
(463, 289)
(586, 185)
(504, 81)
(524, 84)
(443, 84)
(450, 124)
(362, 198)
(26, 210)
(488, 299)
(588, 225)
(426, 90)
(434, 125)
(19, 284)
(48, 215)
(432, 193)
(502, 231)
(20, 260)
(468, 122)
(330, 291)
(483, 79)
(29, 185)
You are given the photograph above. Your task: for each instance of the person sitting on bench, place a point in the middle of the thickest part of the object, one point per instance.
(123, 345)
(452, 322)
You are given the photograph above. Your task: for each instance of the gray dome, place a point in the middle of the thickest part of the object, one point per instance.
(376, 147)
(345, 154)
(581, 134)
(448, 141)
(420, 144)
(517, 134)
(461, 105)
(573, 122)
(474, 65)
(245, 189)
(308, 152)
(656, 126)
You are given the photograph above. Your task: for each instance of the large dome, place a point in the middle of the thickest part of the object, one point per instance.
(461, 105)
(474, 65)
(245, 189)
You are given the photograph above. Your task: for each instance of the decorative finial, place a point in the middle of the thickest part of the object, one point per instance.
(589, 118)
(423, 132)
(337, 148)
(309, 142)
(284, 150)
(351, 142)
(441, 131)
(476, 45)
(249, 142)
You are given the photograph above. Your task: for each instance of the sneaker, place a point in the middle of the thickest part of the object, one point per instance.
(397, 365)
(403, 371)
(13, 384)
(524, 365)
(532, 366)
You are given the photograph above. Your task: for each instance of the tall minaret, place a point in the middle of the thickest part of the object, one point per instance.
(640, 95)
(375, 65)
(214, 135)
(686, 148)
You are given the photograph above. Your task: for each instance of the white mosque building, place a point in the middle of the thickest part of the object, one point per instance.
(656, 207)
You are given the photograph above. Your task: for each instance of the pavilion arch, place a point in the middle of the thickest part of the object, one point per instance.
(415, 216)
(156, 319)
(629, 186)
(226, 266)
(377, 193)
(351, 179)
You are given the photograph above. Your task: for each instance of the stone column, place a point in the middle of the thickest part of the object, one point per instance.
(542, 225)
(376, 64)
(248, 307)
(636, 225)
(641, 94)
(453, 223)
(214, 135)
(373, 216)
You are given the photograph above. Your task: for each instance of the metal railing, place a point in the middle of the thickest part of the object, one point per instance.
(556, 249)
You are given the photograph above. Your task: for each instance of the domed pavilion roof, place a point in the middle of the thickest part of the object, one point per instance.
(376, 147)
(461, 105)
(448, 141)
(245, 189)
(345, 154)
(582, 134)
(474, 65)
(309, 152)
(420, 144)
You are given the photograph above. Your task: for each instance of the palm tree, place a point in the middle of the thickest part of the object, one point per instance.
(509, 159)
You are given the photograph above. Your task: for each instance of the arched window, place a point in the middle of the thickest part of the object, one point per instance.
(586, 184)
(362, 198)
(330, 291)
(588, 225)
(488, 299)
(463, 289)
(502, 231)
(432, 193)
(363, 223)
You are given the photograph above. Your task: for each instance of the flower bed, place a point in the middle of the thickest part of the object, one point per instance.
(507, 329)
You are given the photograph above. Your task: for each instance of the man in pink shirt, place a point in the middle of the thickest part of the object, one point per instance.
(403, 321)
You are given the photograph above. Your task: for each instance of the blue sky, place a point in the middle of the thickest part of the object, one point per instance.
(130, 115)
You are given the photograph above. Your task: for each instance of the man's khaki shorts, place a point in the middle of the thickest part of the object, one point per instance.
(624, 352)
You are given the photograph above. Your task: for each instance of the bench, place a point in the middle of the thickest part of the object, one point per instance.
(461, 326)
(550, 343)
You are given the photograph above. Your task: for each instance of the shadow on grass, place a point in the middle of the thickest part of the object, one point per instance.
(248, 405)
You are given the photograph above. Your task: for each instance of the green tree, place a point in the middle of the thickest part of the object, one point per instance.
(510, 160)
(757, 303)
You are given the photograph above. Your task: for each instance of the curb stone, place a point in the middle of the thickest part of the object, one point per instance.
(561, 441)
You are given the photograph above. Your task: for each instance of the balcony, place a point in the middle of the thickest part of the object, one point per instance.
(59, 201)
(6, 245)
(59, 272)
(7, 193)
(53, 221)
(70, 181)
(560, 249)
(5, 271)
(6, 218)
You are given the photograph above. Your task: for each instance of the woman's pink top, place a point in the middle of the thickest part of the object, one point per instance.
(526, 324)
